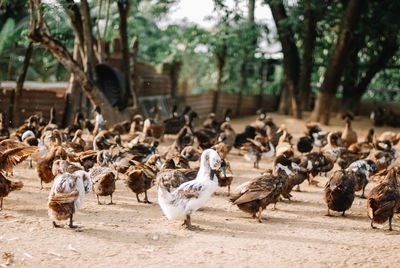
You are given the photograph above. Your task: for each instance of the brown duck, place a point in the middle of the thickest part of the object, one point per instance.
(339, 191)
(140, 178)
(384, 199)
(45, 164)
(255, 195)
(7, 186)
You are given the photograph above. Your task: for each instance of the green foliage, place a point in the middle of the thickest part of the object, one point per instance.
(196, 47)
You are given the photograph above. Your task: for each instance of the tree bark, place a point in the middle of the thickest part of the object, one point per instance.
(135, 77)
(337, 62)
(90, 59)
(123, 8)
(74, 92)
(284, 102)
(352, 93)
(94, 94)
(291, 60)
(243, 83)
(75, 18)
(247, 54)
(20, 83)
(263, 79)
(310, 35)
(350, 77)
(220, 57)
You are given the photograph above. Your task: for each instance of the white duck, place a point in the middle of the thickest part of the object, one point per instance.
(100, 123)
(191, 195)
(67, 195)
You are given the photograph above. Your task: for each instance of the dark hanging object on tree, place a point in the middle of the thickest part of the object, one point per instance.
(112, 83)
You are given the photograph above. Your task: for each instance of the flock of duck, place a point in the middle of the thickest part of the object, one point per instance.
(129, 150)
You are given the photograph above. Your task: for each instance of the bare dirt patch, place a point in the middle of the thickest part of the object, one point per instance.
(138, 235)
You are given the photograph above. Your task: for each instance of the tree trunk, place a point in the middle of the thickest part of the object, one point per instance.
(353, 92)
(90, 60)
(123, 8)
(75, 18)
(291, 61)
(175, 68)
(322, 104)
(350, 76)
(350, 101)
(247, 54)
(284, 102)
(310, 35)
(337, 61)
(134, 76)
(20, 84)
(74, 92)
(243, 84)
(220, 57)
(94, 94)
(389, 49)
(263, 79)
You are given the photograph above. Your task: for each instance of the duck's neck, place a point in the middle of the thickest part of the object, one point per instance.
(348, 124)
(52, 117)
(205, 173)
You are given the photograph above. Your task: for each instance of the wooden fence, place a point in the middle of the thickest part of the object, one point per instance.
(35, 98)
(202, 103)
(40, 97)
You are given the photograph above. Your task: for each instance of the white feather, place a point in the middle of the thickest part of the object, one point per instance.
(286, 169)
(270, 153)
(176, 205)
(66, 183)
(27, 134)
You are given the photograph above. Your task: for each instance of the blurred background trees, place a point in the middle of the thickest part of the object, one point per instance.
(325, 49)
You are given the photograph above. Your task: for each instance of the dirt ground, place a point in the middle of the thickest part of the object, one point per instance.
(297, 234)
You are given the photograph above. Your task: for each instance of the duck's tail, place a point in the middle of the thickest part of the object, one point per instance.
(166, 202)
(164, 194)
(16, 185)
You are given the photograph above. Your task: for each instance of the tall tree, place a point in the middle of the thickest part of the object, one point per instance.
(20, 81)
(377, 42)
(309, 36)
(291, 60)
(248, 51)
(337, 61)
(123, 8)
(84, 77)
(353, 91)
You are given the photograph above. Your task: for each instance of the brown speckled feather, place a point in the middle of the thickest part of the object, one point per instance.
(12, 157)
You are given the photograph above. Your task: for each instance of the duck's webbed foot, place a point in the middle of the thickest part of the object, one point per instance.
(111, 202)
(328, 214)
(55, 225)
(98, 200)
(146, 200)
(189, 225)
(259, 214)
(71, 223)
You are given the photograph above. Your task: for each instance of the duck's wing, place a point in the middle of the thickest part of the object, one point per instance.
(63, 198)
(12, 157)
(88, 154)
(256, 143)
(9, 144)
(190, 189)
(255, 190)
